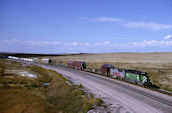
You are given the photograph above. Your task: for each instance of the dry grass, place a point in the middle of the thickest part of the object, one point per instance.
(158, 65)
(120, 57)
(21, 101)
(27, 95)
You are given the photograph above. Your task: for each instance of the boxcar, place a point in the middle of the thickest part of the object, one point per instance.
(70, 64)
(35, 60)
(46, 61)
(107, 69)
(118, 73)
(79, 65)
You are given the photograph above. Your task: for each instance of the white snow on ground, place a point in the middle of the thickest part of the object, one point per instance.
(27, 74)
(22, 73)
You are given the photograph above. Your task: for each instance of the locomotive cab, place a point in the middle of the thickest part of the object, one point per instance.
(84, 66)
(144, 79)
(138, 77)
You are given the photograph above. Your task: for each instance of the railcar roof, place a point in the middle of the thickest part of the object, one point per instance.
(136, 72)
(119, 68)
(107, 65)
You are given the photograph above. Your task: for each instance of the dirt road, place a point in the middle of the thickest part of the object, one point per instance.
(119, 97)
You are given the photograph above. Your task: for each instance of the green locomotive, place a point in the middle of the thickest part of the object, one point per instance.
(137, 77)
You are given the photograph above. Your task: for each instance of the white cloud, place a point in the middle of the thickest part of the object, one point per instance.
(76, 44)
(100, 19)
(148, 25)
(141, 44)
(42, 43)
(106, 43)
(84, 44)
(63, 47)
(143, 25)
(27, 42)
(155, 43)
(98, 44)
(71, 44)
(168, 37)
(106, 19)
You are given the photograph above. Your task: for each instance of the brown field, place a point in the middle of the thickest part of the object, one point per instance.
(158, 65)
(120, 57)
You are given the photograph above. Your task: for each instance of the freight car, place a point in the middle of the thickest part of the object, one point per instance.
(107, 69)
(118, 73)
(46, 61)
(76, 65)
(70, 64)
(36, 60)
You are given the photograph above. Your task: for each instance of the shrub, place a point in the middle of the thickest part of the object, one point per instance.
(91, 96)
(6, 86)
(80, 86)
(87, 106)
(3, 81)
(160, 71)
(99, 101)
(1, 72)
(31, 85)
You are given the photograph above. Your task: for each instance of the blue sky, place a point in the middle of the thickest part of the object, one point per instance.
(74, 26)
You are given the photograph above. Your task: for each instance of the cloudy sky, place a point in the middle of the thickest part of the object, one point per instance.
(74, 26)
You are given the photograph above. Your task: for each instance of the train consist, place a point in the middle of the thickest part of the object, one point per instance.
(36, 60)
(23, 59)
(133, 76)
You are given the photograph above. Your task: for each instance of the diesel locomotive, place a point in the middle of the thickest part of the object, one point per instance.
(132, 76)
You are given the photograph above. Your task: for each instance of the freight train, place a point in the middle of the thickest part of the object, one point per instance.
(132, 76)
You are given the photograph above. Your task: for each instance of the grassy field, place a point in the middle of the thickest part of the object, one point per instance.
(21, 94)
(158, 65)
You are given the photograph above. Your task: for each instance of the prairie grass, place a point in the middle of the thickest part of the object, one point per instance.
(21, 101)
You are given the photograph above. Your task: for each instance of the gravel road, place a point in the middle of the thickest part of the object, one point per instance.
(119, 97)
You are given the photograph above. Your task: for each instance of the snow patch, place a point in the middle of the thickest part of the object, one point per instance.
(27, 74)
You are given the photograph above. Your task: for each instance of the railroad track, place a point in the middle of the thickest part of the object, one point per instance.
(167, 102)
